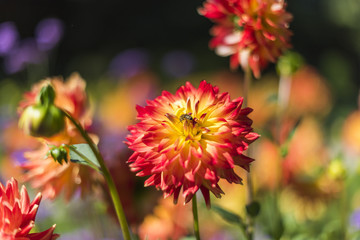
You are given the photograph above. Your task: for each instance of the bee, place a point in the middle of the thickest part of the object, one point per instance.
(186, 116)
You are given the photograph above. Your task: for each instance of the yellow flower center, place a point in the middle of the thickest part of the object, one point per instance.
(187, 126)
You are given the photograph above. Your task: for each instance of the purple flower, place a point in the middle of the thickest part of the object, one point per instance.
(129, 63)
(27, 52)
(84, 234)
(18, 157)
(110, 146)
(8, 37)
(48, 33)
(222, 236)
(178, 63)
(355, 219)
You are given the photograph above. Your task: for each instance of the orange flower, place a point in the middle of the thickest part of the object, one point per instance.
(253, 32)
(306, 154)
(70, 95)
(42, 172)
(17, 214)
(190, 140)
(168, 221)
(351, 133)
(309, 93)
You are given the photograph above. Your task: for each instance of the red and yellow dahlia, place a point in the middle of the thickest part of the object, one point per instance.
(252, 32)
(17, 214)
(190, 140)
(41, 171)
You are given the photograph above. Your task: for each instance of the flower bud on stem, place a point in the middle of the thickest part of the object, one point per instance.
(43, 119)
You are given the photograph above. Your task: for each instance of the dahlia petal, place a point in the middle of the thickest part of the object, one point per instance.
(172, 118)
(229, 160)
(251, 136)
(25, 229)
(197, 151)
(45, 235)
(176, 194)
(16, 214)
(243, 161)
(231, 176)
(150, 181)
(25, 200)
(141, 111)
(190, 176)
(216, 190)
(205, 192)
(210, 175)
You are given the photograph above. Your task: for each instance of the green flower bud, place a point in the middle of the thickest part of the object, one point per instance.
(46, 95)
(253, 208)
(289, 63)
(59, 154)
(42, 120)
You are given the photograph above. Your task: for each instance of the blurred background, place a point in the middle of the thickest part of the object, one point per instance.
(129, 51)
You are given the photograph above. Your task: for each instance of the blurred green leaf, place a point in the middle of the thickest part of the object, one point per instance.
(270, 217)
(188, 238)
(293, 130)
(272, 98)
(82, 154)
(228, 216)
(284, 149)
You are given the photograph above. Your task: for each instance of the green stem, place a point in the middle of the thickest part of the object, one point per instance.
(250, 190)
(196, 218)
(109, 180)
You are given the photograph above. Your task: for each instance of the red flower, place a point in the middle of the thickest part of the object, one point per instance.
(17, 214)
(253, 32)
(190, 140)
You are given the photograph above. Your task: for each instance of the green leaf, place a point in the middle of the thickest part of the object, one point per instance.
(188, 238)
(270, 217)
(82, 154)
(291, 134)
(272, 98)
(228, 216)
(284, 148)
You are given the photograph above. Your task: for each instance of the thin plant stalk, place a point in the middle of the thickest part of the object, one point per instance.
(283, 101)
(108, 178)
(196, 218)
(250, 188)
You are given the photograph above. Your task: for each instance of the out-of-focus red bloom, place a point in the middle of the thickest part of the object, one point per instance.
(51, 178)
(70, 96)
(304, 176)
(168, 221)
(17, 214)
(351, 132)
(309, 93)
(306, 154)
(252, 32)
(42, 172)
(190, 140)
(14, 143)
(261, 94)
